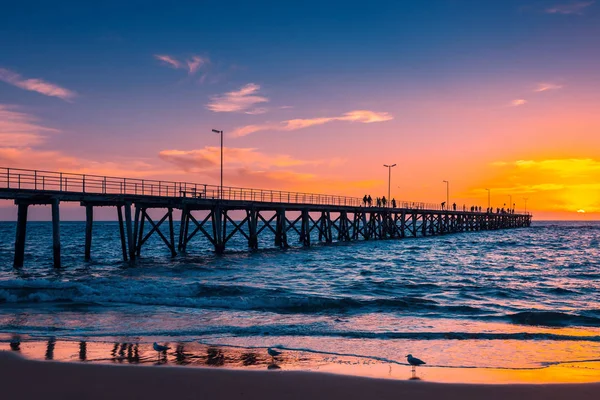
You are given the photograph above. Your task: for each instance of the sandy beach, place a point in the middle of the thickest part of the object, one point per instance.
(26, 379)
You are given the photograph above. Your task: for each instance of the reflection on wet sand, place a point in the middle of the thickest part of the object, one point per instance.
(135, 353)
(195, 354)
(82, 351)
(50, 349)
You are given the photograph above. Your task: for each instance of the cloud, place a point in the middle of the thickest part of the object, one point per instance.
(192, 64)
(575, 7)
(518, 102)
(36, 85)
(209, 157)
(556, 184)
(543, 87)
(362, 116)
(18, 129)
(239, 100)
(170, 61)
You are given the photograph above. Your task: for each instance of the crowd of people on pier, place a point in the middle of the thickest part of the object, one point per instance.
(379, 201)
(383, 202)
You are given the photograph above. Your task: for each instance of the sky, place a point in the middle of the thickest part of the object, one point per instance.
(313, 96)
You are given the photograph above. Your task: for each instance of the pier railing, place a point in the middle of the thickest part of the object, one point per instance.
(16, 178)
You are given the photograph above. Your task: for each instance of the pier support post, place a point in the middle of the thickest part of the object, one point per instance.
(217, 224)
(172, 233)
(122, 232)
(281, 230)
(21, 233)
(305, 229)
(56, 233)
(182, 228)
(129, 228)
(252, 229)
(89, 220)
(138, 230)
(136, 224)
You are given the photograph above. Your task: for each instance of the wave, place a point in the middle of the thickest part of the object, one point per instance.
(200, 295)
(553, 318)
(307, 330)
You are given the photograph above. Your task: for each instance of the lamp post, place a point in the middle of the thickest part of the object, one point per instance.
(220, 187)
(389, 167)
(489, 198)
(447, 194)
(525, 199)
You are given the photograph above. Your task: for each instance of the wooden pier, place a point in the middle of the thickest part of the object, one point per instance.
(206, 210)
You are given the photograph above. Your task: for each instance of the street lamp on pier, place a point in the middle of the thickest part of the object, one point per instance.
(220, 187)
(525, 199)
(389, 167)
(447, 194)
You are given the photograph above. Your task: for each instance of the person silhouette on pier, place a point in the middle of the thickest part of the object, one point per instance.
(454, 206)
(383, 201)
(443, 205)
(393, 203)
(365, 199)
(369, 200)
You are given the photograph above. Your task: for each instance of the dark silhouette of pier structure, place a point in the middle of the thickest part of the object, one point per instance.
(334, 218)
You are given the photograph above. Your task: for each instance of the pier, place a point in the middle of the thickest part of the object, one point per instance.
(288, 218)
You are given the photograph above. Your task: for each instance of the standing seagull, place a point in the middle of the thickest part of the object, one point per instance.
(415, 362)
(161, 349)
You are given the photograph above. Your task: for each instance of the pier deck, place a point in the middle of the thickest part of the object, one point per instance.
(205, 210)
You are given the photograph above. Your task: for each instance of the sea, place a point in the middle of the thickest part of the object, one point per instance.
(510, 299)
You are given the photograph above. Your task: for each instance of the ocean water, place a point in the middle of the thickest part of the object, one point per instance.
(523, 298)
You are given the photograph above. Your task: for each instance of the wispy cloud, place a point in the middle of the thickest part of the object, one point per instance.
(191, 65)
(18, 129)
(543, 87)
(36, 85)
(242, 100)
(362, 116)
(234, 157)
(575, 7)
(518, 102)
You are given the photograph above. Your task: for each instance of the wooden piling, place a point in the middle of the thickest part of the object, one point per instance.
(56, 233)
(140, 231)
(89, 220)
(217, 225)
(128, 223)
(21, 233)
(172, 233)
(122, 232)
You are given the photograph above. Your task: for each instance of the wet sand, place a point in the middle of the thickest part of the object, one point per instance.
(27, 379)
(195, 355)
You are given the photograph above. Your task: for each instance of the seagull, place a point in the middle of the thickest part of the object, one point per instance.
(273, 353)
(159, 348)
(415, 362)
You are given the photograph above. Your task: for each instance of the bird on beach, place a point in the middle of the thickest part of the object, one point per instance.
(273, 353)
(160, 348)
(414, 362)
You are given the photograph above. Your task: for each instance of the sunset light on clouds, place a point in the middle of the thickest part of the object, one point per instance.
(318, 99)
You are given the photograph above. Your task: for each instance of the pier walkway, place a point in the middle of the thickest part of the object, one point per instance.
(206, 210)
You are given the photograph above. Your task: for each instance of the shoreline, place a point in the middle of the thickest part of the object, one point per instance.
(194, 356)
(27, 379)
